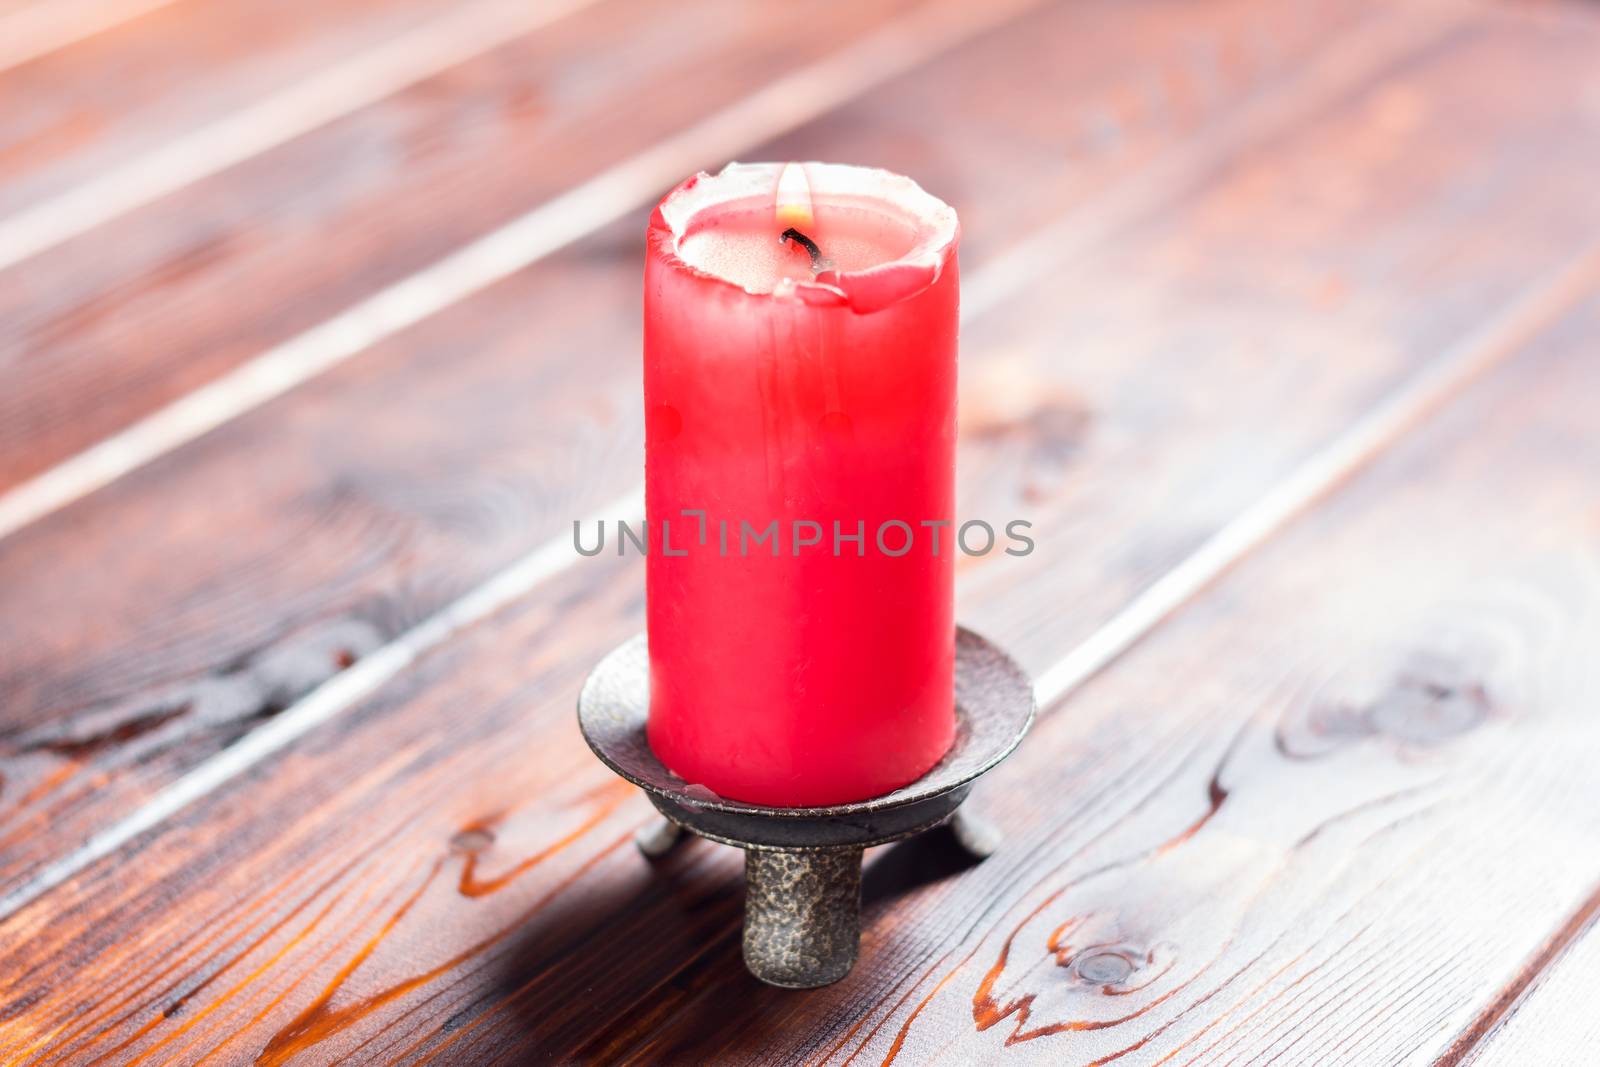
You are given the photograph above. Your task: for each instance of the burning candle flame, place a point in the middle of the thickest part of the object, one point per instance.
(794, 198)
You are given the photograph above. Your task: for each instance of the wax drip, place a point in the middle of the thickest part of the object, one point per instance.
(817, 262)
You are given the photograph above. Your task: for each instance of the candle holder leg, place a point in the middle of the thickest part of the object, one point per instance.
(802, 915)
(659, 837)
(976, 835)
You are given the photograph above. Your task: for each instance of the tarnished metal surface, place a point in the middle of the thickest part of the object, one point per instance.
(803, 865)
(802, 915)
(994, 706)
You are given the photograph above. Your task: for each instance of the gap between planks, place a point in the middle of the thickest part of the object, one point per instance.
(1325, 470)
(304, 106)
(1357, 56)
(770, 111)
(1525, 983)
(49, 25)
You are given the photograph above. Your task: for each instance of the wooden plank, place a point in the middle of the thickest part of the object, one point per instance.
(144, 309)
(794, 98)
(258, 580)
(189, 155)
(1324, 266)
(33, 28)
(1549, 1015)
(74, 114)
(114, 325)
(436, 874)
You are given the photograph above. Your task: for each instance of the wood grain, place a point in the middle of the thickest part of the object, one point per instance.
(266, 557)
(138, 312)
(172, 296)
(1337, 814)
(1319, 269)
(1246, 840)
(33, 28)
(113, 96)
(1553, 1021)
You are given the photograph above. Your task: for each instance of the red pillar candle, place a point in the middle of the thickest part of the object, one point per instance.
(800, 368)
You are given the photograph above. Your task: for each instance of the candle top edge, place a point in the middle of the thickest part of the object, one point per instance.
(932, 224)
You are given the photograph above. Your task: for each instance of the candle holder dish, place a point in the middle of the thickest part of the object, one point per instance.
(802, 918)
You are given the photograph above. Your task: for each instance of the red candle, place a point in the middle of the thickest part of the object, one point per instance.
(800, 398)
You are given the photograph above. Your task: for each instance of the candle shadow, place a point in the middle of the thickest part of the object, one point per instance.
(910, 864)
(590, 968)
(652, 966)
(711, 1010)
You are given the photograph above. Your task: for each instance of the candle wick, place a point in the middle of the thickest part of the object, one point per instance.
(792, 234)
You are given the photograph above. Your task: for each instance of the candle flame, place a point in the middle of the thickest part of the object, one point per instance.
(794, 198)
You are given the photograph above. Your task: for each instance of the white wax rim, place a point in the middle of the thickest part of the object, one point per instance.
(931, 219)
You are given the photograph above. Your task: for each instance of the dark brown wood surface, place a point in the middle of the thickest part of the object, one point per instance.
(1279, 328)
(376, 509)
(208, 277)
(116, 95)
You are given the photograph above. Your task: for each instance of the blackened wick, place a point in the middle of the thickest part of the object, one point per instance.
(792, 234)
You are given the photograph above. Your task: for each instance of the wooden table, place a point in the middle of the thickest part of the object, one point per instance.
(319, 327)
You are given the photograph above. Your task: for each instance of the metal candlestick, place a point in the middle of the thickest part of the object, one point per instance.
(802, 915)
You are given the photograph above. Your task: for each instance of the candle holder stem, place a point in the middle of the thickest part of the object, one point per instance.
(802, 918)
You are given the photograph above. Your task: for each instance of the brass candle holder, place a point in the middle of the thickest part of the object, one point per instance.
(802, 918)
